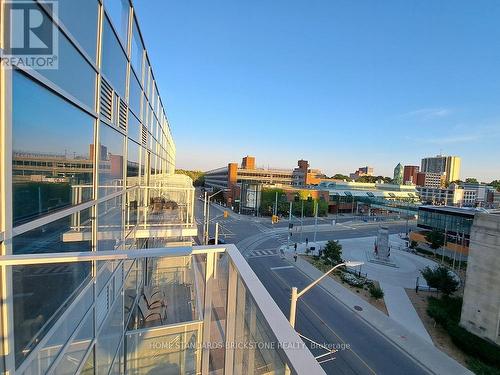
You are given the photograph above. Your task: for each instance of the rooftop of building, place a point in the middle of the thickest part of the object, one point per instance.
(469, 211)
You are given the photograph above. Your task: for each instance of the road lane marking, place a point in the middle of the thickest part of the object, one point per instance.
(325, 324)
(281, 268)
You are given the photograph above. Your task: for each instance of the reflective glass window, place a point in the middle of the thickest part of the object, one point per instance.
(133, 163)
(134, 128)
(111, 153)
(114, 62)
(52, 164)
(110, 224)
(72, 64)
(137, 52)
(118, 13)
(135, 95)
(71, 12)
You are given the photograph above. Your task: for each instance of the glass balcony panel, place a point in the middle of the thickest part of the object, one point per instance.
(109, 338)
(256, 347)
(77, 349)
(39, 301)
(165, 350)
(38, 298)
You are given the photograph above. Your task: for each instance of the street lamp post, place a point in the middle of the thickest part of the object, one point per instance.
(315, 220)
(296, 294)
(207, 216)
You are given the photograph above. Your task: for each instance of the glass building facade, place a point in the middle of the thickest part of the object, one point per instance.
(87, 191)
(452, 220)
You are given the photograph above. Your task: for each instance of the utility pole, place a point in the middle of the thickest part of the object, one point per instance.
(204, 218)
(289, 224)
(301, 220)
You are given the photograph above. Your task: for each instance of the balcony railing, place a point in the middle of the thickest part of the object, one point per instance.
(209, 314)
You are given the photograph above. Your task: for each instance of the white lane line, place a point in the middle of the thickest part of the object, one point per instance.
(281, 268)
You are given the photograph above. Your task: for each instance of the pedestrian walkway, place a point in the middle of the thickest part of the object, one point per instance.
(418, 348)
(401, 310)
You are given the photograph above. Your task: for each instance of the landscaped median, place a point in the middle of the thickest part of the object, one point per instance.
(368, 290)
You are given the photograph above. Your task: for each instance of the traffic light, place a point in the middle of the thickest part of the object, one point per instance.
(226, 214)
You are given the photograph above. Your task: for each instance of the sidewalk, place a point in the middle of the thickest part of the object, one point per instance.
(401, 310)
(420, 349)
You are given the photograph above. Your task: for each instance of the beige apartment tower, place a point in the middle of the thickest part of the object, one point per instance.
(448, 166)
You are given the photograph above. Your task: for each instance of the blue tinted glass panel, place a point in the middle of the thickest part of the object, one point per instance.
(72, 12)
(71, 64)
(118, 12)
(114, 62)
(111, 153)
(135, 96)
(132, 163)
(134, 128)
(136, 52)
(52, 166)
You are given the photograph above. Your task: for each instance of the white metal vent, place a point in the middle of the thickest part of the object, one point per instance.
(106, 100)
(144, 136)
(122, 115)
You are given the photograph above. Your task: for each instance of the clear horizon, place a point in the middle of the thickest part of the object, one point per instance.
(339, 84)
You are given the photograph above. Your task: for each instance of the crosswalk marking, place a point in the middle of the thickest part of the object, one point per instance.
(263, 253)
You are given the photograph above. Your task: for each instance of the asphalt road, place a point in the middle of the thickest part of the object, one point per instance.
(320, 316)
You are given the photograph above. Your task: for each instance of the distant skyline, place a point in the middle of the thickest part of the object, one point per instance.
(339, 83)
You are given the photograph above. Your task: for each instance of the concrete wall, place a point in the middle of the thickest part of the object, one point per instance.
(481, 307)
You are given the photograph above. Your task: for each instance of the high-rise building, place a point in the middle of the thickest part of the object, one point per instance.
(410, 174)
(98, 272)
(449, 166)
(398, 175)
(362, 171)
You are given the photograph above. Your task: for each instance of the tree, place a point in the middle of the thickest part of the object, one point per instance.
(340, 176)
(198, 177)
(441, 279)
(332, 253)
(376, 291)
(496, 184)
(435, 239)
(471, 180)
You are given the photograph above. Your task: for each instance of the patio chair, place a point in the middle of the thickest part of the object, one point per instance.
(154, 297)
(149, 315)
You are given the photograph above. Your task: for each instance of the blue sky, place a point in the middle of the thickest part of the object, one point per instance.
(340, 83)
